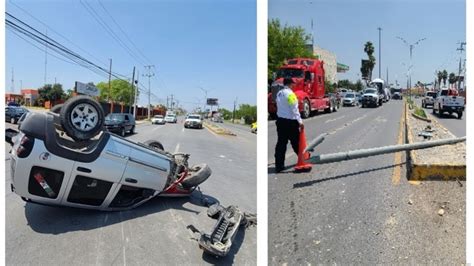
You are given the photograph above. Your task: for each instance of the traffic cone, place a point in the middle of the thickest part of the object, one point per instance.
(301, 165)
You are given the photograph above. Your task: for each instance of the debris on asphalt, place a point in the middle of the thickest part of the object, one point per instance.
(441, 212)
(219, 241)
(410, 202)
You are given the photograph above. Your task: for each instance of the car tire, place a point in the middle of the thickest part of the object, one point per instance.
(434, 110)
(196, 175)
(122, 132)
(306, 109)
(132, 130)
(154, 144)
(13, 120)
(459, 115)
(56, 109)
(87, 109)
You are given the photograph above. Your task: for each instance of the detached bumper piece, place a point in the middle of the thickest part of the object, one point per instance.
(219, 241)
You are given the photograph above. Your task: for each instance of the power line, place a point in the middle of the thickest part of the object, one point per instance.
(61, 35)
(124, 33)
(109, 30)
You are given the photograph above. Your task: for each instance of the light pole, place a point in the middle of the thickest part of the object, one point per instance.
(205, 96)
(149, 75)
(380, 55)
(411, 46)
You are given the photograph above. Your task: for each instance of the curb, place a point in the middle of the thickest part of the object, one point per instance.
(218, 130)
(424, 171)
(421, 118)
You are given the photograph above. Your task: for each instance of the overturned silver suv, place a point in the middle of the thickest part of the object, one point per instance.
(65, 157)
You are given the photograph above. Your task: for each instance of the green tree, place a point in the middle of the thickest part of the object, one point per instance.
(51, 92)
(226, 114)
(285, 42)
(344, 83)
(330, 87)
(120, 91)
(358, 86)
(248, 112)
(440, 77)
(452, 78)
(369, 50)
(445, 76)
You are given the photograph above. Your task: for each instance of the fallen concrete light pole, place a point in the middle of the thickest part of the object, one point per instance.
(350, 155)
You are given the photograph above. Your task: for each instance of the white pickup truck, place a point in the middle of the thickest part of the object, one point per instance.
(448, 101)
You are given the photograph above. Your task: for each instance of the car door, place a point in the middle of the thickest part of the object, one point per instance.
(93, 185)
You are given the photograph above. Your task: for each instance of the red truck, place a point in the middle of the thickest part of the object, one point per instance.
(308, 78)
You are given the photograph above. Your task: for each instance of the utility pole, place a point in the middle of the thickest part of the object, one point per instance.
(149, 75)
(233, 112)
(131, 94)
(205, 97)
(387, 79)
(136, 96)
(110, 77)
(460, 49)
(172, 103)
(21, 84)
(45, 58)
(12, 88)
(380, 49)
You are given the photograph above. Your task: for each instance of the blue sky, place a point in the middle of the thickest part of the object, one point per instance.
(209, 44)
(344, 26)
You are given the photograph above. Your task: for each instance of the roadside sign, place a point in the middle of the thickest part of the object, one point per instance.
(87, 89)
(212, 101)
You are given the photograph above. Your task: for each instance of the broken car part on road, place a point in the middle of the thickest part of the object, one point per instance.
(219, 241)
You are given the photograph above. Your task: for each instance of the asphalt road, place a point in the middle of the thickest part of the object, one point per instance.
(451, 122)
(154, 233)
(361, 211)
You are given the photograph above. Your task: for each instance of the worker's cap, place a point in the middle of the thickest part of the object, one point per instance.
(287, 81)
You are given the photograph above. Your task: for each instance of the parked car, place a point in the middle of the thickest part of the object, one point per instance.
(350, 99)
(371, 97)
(13, 113)
(158, 119)
(171, 118)
(98, 170)
(397, 96)
(448, 101)
(120, 123)
(428, 99)
(193, 121)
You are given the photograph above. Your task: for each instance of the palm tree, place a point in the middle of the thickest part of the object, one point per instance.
(369, 50)
(452, 78)
(445, 76)
(440, 77)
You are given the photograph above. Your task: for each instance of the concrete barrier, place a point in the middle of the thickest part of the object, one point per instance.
(446, 162)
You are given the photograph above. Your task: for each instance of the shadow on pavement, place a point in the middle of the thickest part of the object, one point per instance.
(58, 220)
(313, 182)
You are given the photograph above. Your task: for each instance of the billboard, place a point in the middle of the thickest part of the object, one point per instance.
(86, 89)
(212, 101)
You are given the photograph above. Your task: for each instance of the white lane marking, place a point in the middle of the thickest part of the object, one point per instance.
(332, 120)
(177, 148)
(123, 238)
(182, 130)
(221, 156)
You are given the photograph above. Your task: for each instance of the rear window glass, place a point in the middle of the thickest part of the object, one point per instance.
(45, 182)
(431, 94)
